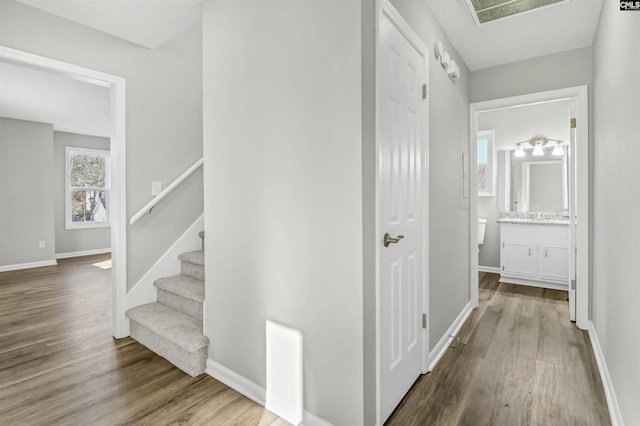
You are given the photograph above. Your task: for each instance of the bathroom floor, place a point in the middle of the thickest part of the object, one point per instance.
(518, 360)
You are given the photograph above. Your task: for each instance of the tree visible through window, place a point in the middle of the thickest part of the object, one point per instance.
(88, 187)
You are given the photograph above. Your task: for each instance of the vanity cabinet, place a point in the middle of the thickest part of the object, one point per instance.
(535, 254)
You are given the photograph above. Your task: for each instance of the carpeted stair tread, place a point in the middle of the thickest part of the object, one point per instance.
(170, 324)
(182, 285)
(196, 257)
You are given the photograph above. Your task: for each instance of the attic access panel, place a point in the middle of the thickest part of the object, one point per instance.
(484, 11)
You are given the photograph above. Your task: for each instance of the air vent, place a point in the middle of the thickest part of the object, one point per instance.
(484, 11)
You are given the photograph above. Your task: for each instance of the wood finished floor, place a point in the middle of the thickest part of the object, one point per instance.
(517, 361)
(59, 364)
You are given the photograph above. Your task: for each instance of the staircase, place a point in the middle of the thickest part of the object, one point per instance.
(172, 327)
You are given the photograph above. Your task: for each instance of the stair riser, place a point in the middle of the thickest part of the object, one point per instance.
(193, 270)
(192, 363)
(181, 304)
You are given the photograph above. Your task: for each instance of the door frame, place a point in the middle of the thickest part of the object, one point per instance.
(117, 118)
(580, 95)
(386, 9)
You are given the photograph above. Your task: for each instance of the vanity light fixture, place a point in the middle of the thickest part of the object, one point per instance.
(537, 144)
(537, 150)
(558, 150)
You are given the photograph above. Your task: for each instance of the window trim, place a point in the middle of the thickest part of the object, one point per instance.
(69, 224)
(490, 189)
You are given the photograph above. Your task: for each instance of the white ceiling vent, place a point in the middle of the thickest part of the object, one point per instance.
(484, 11)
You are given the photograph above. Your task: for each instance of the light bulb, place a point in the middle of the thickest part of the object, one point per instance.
(537, 150)
(558, 150)
(519, 151)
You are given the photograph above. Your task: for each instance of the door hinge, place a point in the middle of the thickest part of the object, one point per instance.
(424, 321)
(503, 267)
(502, 245)
(424, 91)
(573, 123)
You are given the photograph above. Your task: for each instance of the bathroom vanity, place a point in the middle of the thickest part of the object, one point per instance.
(535, 252)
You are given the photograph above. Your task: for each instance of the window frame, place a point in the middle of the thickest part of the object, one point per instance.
(489, 190)
(68, 209)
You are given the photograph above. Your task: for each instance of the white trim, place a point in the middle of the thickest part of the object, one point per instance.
(28, 265)
(82, 253)
(235, 381)
(386, 8)
(439, 350)
(580, 94)
(533, 283)
(251, 390)
(117, 117)
(609, 391)
(490, 269)
(313, 420)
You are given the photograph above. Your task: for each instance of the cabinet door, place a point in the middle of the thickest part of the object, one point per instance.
(554, 264)
(519, 259)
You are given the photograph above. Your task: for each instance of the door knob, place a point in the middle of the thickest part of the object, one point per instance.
(388, 239)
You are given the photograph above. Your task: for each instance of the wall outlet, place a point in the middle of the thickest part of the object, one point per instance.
(156, 188)
(42, 243)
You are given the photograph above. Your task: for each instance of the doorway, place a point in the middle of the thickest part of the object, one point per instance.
(402, 209)
(117, 116)
(533, 257)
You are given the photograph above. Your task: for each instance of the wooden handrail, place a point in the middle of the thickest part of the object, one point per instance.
(151, 204)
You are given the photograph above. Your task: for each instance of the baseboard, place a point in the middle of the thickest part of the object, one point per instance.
(490, 269)
(235, 381)
(438, 351)
(82, 253)
(532, 283)
(251, 390)
(28, 265)
(313, 420)
(609, 391)
(167, 265)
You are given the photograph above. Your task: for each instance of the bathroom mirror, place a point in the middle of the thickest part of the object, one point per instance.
(534, 183)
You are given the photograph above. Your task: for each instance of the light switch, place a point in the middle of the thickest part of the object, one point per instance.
(156, 188)
(42, 243)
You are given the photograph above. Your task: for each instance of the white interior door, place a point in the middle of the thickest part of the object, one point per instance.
(401, 215)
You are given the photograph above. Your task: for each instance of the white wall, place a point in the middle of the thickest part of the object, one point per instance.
(557, 71)
(283, 191)
(616, 229)
(74, 240)
(550, 120)
(26, 192)
(164, 115)
(448, 211)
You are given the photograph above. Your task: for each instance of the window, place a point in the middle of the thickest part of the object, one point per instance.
(485, 163)
(88, 187)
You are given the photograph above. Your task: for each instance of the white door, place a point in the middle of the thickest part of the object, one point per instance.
(400, 208)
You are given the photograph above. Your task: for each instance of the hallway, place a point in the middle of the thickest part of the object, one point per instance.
(518, 360)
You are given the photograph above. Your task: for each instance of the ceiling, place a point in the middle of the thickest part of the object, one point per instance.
(70, 105)
(556, 28)
(552, 29)
(148, 23)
